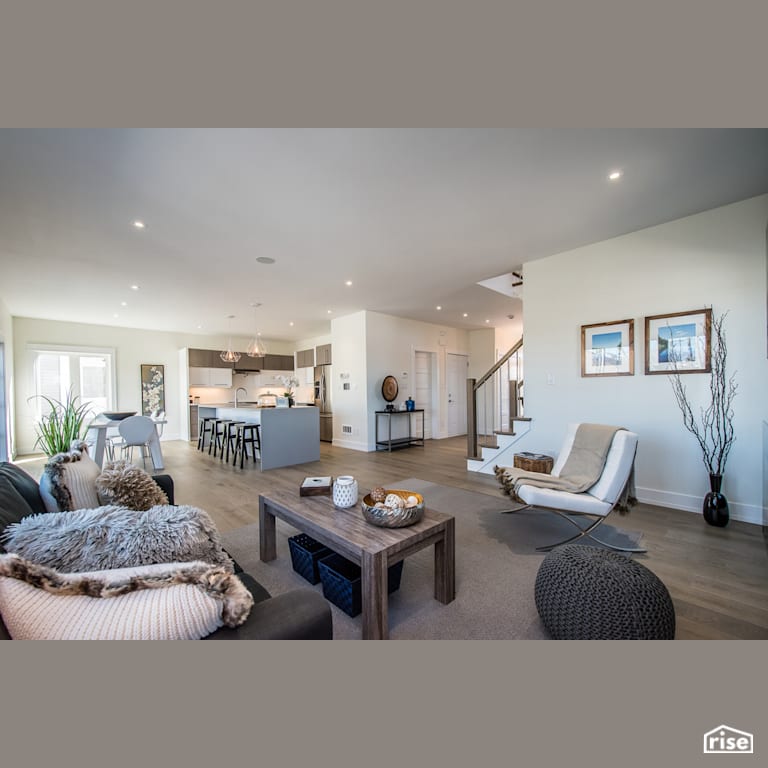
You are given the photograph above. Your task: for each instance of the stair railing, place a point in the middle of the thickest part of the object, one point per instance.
(494, 401)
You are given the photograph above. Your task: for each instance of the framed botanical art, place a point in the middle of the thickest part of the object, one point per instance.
(152, 389)
(608, 349)
(678, 342)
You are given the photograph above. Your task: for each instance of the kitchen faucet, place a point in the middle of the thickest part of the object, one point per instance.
(237, 390)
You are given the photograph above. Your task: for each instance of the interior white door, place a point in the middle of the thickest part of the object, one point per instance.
(423, 390)
(456, 376)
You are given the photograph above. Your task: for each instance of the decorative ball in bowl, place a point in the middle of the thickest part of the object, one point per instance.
(398, 509)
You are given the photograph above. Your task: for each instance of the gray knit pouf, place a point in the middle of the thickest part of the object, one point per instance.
(585, 593)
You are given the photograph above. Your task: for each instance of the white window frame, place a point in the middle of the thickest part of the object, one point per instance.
(36, 349)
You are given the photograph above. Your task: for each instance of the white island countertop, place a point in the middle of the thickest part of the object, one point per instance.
(288, 435)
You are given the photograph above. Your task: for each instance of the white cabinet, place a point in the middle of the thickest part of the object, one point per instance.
(210, 377)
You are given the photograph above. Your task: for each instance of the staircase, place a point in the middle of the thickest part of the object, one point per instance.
(495, 413)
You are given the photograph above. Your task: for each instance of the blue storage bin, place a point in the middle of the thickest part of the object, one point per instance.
(342, 582)
(305, 553)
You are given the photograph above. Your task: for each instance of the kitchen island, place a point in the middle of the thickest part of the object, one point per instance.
(288, 435)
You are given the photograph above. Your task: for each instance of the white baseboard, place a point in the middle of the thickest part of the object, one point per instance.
(747, 513)
(354, 445)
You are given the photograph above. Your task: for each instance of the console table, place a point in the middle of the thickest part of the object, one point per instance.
(399, 442)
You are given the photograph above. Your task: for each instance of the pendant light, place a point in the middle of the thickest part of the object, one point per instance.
(256, 347)
(228, 356)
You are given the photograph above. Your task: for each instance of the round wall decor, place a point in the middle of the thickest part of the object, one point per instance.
(389, 388)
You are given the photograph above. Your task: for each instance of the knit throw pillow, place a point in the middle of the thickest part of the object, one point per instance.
(116, 537)
(69, 481)
(123, 484)
(169, 601)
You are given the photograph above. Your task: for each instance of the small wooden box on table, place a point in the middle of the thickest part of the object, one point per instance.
(374, 549)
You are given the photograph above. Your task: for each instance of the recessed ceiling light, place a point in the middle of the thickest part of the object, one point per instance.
(265, 260)
(123, 303)
(139, 224)
(464, 315)
(329, 311)
(615, 175)
(487, 321)
(199, 327)
(349, 282)
(438, 307)
(115, 315)
(291, 323)
(134, 287)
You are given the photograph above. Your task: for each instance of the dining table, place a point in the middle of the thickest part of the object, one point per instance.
(96, 436)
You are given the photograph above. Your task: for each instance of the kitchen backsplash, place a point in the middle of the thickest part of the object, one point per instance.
(255, 386)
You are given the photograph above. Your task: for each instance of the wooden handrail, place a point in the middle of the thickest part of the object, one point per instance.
(473, 385)
(479, 383)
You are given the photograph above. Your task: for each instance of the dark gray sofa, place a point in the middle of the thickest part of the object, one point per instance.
(301, 614)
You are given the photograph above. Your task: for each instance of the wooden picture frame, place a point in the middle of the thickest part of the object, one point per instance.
(608, 349)
(679, 342)
(152, 389)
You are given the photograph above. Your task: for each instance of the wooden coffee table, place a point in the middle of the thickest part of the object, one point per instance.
(373, 548)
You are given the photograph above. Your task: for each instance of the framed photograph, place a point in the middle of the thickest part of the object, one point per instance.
(152, 389)
(608, 349)
(678, 342)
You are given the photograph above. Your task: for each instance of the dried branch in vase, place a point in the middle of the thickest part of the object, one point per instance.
(713, 429)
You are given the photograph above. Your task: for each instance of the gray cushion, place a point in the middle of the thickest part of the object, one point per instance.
(24, 484)
(13, 506)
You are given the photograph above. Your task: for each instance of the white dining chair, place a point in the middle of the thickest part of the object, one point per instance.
(136, 431)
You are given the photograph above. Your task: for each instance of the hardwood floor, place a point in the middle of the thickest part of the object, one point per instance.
(718, 577)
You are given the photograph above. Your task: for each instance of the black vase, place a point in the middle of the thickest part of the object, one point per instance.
(715, 504)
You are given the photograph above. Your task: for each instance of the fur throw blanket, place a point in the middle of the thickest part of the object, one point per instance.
(125, 485)
(214, 581)
(115, 537)
(581, 470)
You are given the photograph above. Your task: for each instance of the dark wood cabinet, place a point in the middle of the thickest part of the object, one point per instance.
(246, 363)
(207, 358)
(323, 354)
(305, 358)
(278, 362)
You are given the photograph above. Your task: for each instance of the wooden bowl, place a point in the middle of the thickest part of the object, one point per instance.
(386, 517)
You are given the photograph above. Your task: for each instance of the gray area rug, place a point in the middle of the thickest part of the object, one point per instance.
(496, 566)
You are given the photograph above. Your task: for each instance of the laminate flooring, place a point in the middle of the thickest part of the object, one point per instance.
(718, 577)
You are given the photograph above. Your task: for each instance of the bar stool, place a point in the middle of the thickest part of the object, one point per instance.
(206, 428)
(247, 434)
(217, 435)
(230, 432)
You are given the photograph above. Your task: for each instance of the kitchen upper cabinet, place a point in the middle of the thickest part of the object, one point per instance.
(323, 354)
(207, 358)
(305, 358)
(278, 362)
(246, 363)
(210, 377)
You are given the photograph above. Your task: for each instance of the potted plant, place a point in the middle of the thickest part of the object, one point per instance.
(62, 425)
(289, 382)
(713, 429)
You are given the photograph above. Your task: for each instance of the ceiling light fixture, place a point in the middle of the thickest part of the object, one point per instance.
(330, 311)
(134, 287)
(139, 224)
(291, 323)
(615, 175)
(256, 347)
(349, 282)
(438, 307)
(228, 356)
(465, 315)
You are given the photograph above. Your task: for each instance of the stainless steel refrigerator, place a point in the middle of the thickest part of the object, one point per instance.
(323, 401)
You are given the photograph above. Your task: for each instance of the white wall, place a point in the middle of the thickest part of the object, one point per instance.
(716, 258)
(349, 354)
(133, 347)
(6, 337)
(392, 343)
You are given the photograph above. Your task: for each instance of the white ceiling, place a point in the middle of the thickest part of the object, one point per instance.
(415, 218)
